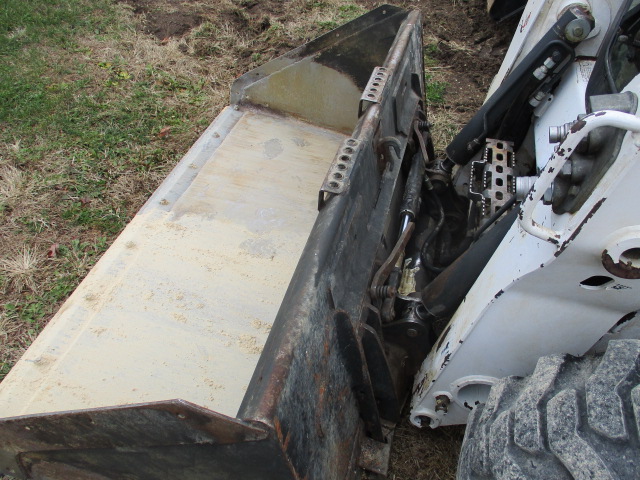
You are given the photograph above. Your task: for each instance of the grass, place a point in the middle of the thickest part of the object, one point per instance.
(83, 100)
(435, 90)
(332, 18)
(445, 123)
(435, 83)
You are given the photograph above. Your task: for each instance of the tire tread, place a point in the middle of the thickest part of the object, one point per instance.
(571, 418)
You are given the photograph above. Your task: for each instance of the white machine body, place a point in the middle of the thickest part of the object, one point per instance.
(546, 289)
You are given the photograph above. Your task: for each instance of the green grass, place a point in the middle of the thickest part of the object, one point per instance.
(336, 17)
(101, 114)
(350, 11)
(429, 53)
(54, 22)
(76, 120)
(435, 90)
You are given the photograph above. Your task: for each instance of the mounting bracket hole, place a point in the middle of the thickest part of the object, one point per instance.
(472, 394)
(631, 257)
(597, 282)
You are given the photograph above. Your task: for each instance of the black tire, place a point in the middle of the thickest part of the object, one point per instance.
(572, 418)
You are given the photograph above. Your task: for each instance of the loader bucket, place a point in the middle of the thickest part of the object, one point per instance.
(219, 337)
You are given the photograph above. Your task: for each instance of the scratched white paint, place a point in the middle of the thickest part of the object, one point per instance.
(528, 301)
(539, 16)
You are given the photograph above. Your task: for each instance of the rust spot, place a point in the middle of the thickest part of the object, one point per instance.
(551, 169)
(579, 125)
(561, 152)
(447, 357)
(619, 269)
(278, 427)
(600, 114)
(499, 294)
(443, 336)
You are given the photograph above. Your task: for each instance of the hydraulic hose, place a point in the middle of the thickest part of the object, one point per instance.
(433, 233)
(411, 199)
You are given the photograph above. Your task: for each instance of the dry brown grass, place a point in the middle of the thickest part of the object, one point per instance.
(425, 454)
(446, 124)
(15, 337)
(20, 269)
(12, 182)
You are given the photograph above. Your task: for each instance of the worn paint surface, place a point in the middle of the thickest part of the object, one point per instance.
(182, 303)
(297, 89)
(528, 274)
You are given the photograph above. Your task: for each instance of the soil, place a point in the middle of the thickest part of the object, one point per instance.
(467, 45)
(168, 18)
(467, 48)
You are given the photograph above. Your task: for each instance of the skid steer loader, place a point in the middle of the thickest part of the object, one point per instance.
(311, 263)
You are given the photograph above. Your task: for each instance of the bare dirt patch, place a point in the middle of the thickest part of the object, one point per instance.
(462, 38)
(464, 45)
(165, 19)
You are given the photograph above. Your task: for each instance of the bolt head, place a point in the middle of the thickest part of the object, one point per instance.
(412, 332)
(577, 30)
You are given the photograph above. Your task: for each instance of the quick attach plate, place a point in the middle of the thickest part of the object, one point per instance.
(492, 178)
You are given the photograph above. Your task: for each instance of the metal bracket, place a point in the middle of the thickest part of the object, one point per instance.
(492, 178)
(374, 456)
(337, 178)
(373, 90)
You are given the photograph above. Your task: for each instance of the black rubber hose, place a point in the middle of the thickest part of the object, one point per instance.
(445, 294)
(494, 217)
(469, 240)
(411, 197)
(433, 233)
